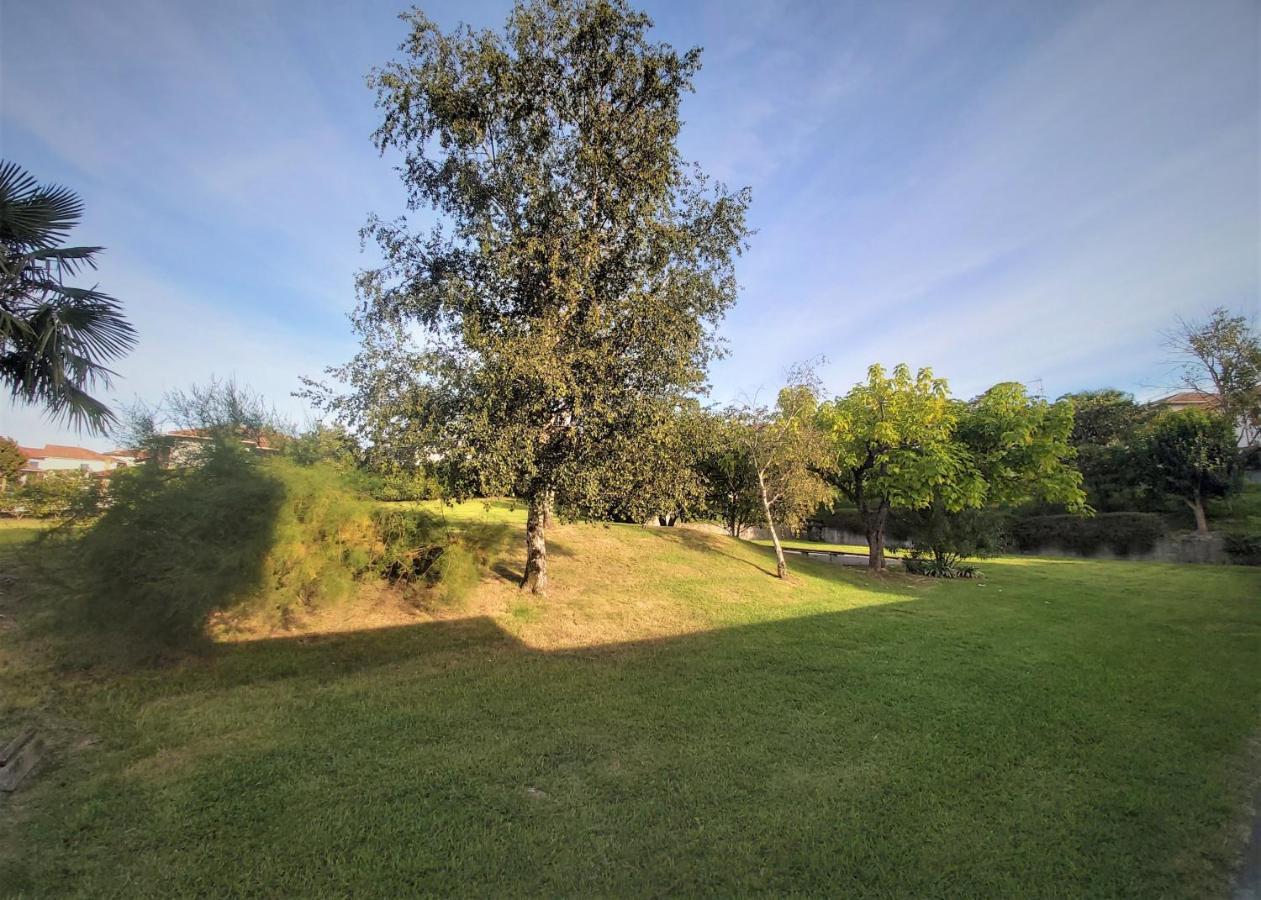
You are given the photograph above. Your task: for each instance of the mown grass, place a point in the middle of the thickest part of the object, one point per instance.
(671, 720)
(858, 549)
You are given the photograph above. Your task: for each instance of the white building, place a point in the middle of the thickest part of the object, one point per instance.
(61, 458)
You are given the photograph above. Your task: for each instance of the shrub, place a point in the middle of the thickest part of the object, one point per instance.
(246, 537)
(55, 495)
(1244, 547)
(918, 563)
(1124, 533)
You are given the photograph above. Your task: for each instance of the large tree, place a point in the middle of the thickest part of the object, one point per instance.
(567, 298)
(1222, 355)
(56, 339)
(892, 448)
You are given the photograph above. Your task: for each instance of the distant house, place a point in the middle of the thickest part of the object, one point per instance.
(181, 447)
(1208, 402)
(62, 458)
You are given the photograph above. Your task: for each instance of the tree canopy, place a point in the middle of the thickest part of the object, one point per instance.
(567, 299)
(891, 446)
(1222, 355)
(1192, 455)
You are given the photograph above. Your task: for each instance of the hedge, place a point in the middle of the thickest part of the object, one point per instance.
(1123, 533)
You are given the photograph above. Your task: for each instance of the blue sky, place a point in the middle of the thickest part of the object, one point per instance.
(1027, 191)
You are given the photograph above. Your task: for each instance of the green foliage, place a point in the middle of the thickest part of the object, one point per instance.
(1107, 435)
(11, 462)
(571, 291)
(55, 340)
(1244, 547)
(727, 471)
(1223, 357)
(56, 495)
(918, 563)
(241, 537)
(1020, 446)
(946, 537)
(1192, 454)
(892, 448)
(1124, 533)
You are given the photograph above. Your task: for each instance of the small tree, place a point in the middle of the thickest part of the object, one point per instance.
(892, 448)
(726, 473)
(784, 450)
(1192, 454)
(1107, 437)
(1223, 356)
(11, 462)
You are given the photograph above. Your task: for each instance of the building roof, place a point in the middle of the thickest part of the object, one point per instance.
(1189, 398)
(63, 451)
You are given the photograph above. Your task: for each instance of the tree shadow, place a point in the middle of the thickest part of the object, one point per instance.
(706, 543)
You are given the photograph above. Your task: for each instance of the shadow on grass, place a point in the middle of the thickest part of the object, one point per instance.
(858, 748)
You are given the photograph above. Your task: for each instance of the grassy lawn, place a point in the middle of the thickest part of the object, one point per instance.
(859, 549)
(671, 720)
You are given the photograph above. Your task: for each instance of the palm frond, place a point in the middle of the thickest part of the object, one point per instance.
(55, 338)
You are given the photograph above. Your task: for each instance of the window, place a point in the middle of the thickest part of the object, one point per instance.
(84, 467)
(33, 463)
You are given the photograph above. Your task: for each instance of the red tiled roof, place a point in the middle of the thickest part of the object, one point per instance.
(61, 451)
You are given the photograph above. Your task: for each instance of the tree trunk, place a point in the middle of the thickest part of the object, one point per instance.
(549, 508)
(781, 567)
(875, 537)
(536, 544)
(1201, 520)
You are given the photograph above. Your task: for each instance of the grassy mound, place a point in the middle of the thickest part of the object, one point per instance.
(672, 719)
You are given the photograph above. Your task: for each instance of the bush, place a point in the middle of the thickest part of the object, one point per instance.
(1244, 547)
(55, 495)
(1123, 533)
(918, 563)
(245, 537)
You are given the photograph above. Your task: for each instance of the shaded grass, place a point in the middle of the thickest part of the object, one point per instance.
(673, 720)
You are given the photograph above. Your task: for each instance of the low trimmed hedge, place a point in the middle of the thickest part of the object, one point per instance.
(1244, 547)
(1124, 533)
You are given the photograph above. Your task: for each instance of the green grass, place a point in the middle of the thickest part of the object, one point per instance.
(859, 549)
(16, 532)
(671, 720)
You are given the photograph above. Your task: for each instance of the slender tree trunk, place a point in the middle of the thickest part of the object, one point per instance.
(1201, 520)
(535, 578)
(875, 537)
(781, 567)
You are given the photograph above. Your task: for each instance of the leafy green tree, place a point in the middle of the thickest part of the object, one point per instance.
(11, 462)
(727, 472)
(1014, 449)
(1107, 435)
(1192, 454)
(784, 450)
(1223, 356)
(55, 339)
(1021, 447)
(892, 448)
(569, 296)
(331, 444)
